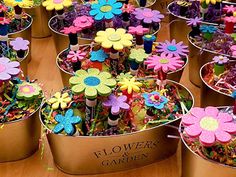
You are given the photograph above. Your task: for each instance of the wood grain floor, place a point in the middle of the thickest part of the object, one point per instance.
(42, 67)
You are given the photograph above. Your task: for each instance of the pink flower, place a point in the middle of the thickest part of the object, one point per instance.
(3, 8)
(83, 22)
(229, 9)
(128, 8)
(164, 62)
(230, 19)
(4, 21)
(139, 30)
(75, 56)
(71, 29)
(233, 50)
(209, 125)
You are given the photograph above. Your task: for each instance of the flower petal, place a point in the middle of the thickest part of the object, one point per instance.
(224, 117)
(222, 136)
(109, 82)
(69, 113)
(188, 119)
(103, 90)
(211, 111)
(79, 88)
(58, 128)
(93, 71)
(228, 127)
(198, 112)
(115, 110)
(118, 46)
(91, 92)
(207, 138)
(193, 130)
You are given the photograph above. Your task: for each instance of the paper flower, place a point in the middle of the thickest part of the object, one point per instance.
(66, 123)
(154, 99)
(4, 21)
(130, 85)
(28, 90)
(98, 55)
(208, 29)
(233, 50)
(20, 3)
(138, 55)
(210, 1)
(8, 69)
(83, 22)
(92, 83)
(118, 39)
(194, 21)
(173, 48)
(138, 30)
(148, 15)
(105, 9)
(128, 8)
(3, 8)
(19, 44)
(220, 60)
(56, 4)
(75, 56)
(228, 9)
(164, 62)
(209, 125)
(59, 100)
(116, 104)
(71, 29)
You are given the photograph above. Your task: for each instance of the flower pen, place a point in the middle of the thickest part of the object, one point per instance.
(20, 46)
(138, 32)
(148, 43)
(4, 24)
(219, 64)
(195, 25)
(127, 9)
(136, 57)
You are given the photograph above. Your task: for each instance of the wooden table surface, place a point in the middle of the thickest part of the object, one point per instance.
(43, 67)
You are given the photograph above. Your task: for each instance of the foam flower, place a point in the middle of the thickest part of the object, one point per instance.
(173, 48)
(59, 100)
(154, 99)
(3, 8)
(148, 15)
(56, 4)
(121, 76)
(208, 29)
(19, 44)
(28, 90)
(66, 122)
(233, 50)
(220, 59)
(8, 69)
(209, 125)
(75, 56)
(20, 3)
(138, 30)
(210, 1)
(98, 55)
(230, 19)
(138, 55)
(128, 8)
(116, 104)
(229, 9)
(92, 82)
(118, 39)
(4, 21)
(130, 85)
(105, 9)
(71, 29)
(233, 35)
(194, 21)
(83, 22)
(234, 94)
(164, 62)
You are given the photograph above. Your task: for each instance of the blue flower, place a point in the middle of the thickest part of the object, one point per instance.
(149, 37)
(234, 94)
(154, 99)
(66, 122)
(208, 29)
(98, 55)
(105, 9)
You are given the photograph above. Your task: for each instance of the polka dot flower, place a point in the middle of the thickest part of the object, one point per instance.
(118, 39)
(56, 4)
(20, 3)
(148, 15)
(28, 91)
(8, 69)
(92, 83)
(209, 125)
(104, 9)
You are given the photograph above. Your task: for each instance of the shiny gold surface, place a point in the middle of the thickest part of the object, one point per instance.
(40, 24)
(19, 139)
(195, 166)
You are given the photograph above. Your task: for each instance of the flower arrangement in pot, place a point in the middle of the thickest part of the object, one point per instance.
(114, 50)
(208, 136)
(91, 18)
(20, 100)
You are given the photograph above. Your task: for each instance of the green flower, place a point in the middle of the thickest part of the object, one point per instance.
(121, 76)
(233, 36)
(28, 91)
(92, 82)
(138, 55)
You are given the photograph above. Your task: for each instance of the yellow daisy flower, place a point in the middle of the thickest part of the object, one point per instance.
(56, 4)
(118, 39)
(130, 85)
(210, 1)
(20, 3)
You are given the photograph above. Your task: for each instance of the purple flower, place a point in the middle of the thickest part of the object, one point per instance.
(8, 69)
(194, 21)
(116, 103)
(220, 59)
(19, 44)
(148, 15)
(173, 48)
